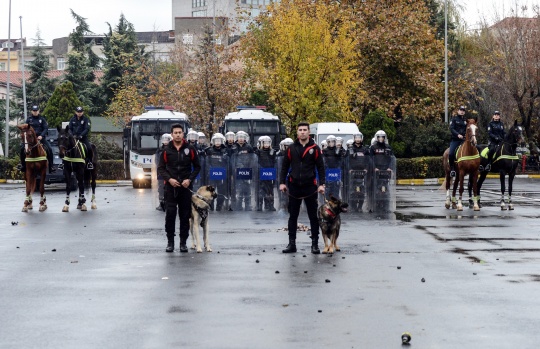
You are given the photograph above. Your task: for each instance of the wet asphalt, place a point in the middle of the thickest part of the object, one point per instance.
(101, 279)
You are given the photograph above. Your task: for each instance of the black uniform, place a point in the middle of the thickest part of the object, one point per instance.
(357, 163)
(267, 159)
(179, 164)
(333, 159)
(242, 191)
(217, 157)
(458, 126)
(382, 155)
(304, 163)
(79, 128)
(40, 126)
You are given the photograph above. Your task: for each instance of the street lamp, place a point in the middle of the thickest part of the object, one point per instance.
(446, 61)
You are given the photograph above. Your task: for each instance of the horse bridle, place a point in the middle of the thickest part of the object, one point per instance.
(67, 151)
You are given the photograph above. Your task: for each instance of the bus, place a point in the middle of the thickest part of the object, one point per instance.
(142, 139)
(256, 122)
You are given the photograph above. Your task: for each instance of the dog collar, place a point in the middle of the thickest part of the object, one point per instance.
(330, 213)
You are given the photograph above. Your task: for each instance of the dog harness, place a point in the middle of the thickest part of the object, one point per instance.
(203, 212)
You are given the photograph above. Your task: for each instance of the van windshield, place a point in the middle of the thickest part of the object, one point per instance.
(345, 137)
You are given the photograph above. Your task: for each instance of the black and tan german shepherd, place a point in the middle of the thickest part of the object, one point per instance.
(330, 222)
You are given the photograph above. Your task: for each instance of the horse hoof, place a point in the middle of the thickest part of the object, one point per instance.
(447, 206)
(30, 207)
(454, 206)
(65, 209)
(83, 208)
(460, 208)
(503, 208)
(42, 208)
(94, 206)
(25, 209)
(79, 207)
(476, 208)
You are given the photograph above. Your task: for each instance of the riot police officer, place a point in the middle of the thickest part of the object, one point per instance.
(357, 167)
(192, 137)
(242, 189)
(217, 164)
(267, 163)
(381, 152)
(332, 157)
(201, 141)
(230, 139)
(458, 128)
(496, 135)
(40, 126)
(79, 127)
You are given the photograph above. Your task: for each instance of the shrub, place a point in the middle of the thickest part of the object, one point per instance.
(424, 167)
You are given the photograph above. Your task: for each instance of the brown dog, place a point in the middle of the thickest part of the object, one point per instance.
(330, 222)
(200, 205)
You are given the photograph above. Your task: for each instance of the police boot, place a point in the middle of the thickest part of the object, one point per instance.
(315, 246)
(452, 171)
(259, 204)
(248, 203)
(291, 247)
(170, 243)
(183, 246)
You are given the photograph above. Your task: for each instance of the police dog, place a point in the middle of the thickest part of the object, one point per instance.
(200, 205)
(330, 222)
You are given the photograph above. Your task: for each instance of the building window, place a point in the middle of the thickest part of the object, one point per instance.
(198, 3)
(187, 39)
(61, 63)
(2, 66)
(201, 13)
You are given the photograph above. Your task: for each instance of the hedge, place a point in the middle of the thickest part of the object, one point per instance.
(424, 167)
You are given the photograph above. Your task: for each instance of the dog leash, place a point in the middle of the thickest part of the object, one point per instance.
(302, 197)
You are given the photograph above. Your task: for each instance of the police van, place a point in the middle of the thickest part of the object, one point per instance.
(319, 131)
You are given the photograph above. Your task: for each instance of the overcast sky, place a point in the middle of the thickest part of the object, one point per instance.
(53, 17)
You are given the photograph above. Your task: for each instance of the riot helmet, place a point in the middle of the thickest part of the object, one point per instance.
(242, 137)
(217, 139)
(230, 137)
(266, 141)
(192, 136)
(358, 137)
(349, 143)
(202, 137)
(339, 142)
(380, 137)
(331, 141)
(166, 138)
(285, 144)
(324, 144)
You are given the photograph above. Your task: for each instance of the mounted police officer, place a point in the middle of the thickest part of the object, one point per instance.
(179, 166)
(40, 126)
(496, 136)
(267, 161)
(79, 127)
(458, 128)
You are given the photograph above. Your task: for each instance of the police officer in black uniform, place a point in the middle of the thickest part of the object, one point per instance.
(381, 152)
(242, 189)
(217, 156)
(304, 159)
(458, 128)
(79, 127)
(267, 159)
(179, 166)
(357, 160)
(496, 135)
(333, 158)
(40, 126)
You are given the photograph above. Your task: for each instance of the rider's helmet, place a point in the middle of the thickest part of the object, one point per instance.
(192, 136)
(339, 142)
(229, 137)
(358, 137)
(166, 138)
(380, 136)
(349, 143)
(324, 144)
(202, 137)
(331, 141)
(285, 144)
(217, 139)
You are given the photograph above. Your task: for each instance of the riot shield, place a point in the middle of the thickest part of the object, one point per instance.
(245, 179)
(334, 181)
(357, 181)
(217, 175)
(383, 198)
(266, 188)
(158, 190)
(200, 180)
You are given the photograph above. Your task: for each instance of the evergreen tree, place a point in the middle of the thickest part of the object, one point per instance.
(123, 59)
(39, 86)
(82, 62)
(62, 104)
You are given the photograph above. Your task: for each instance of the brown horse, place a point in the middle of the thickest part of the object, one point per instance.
(467, 162)
(36, 164)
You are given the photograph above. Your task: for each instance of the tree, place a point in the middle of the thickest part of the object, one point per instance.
(82, 62)
(126, 103)
(374, 121)
(61, 105)
(303, 55)
(123, 58)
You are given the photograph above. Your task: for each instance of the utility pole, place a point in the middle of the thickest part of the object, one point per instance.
(8, 81)
(23, 78)
(446, 61)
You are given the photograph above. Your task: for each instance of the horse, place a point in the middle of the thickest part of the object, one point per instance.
(505, 162)
(467, 162)
(36, 164)
(71, 152)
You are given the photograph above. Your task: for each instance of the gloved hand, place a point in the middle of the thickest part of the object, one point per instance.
(78, 137)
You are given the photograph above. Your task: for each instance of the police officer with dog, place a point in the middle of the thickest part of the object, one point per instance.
(179, 166)
(496, 135)
(458, 128)
(40, 126)
(304, 160)
(79, 127)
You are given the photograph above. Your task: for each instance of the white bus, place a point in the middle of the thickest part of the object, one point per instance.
(142, 139)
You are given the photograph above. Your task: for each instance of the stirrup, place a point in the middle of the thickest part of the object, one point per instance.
(452, 173)
(488, 167)
(89, 166)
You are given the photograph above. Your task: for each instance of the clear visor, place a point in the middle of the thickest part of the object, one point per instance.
(358, 138)
(217, 141)
(331, 143)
